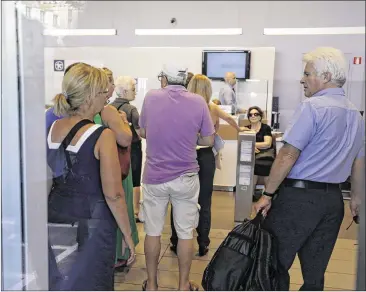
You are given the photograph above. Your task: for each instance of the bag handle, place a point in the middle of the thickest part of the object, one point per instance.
(258, 219)
(66, 142)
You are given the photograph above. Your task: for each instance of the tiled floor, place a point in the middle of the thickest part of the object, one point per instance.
(340, 274)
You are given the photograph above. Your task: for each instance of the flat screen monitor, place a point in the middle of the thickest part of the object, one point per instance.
(216, 63)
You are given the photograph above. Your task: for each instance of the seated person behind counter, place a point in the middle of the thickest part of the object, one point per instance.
(263, 144)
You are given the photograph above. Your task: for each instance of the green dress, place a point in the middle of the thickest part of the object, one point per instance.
(128, 188)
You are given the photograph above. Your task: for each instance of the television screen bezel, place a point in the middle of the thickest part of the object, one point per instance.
(247, 68)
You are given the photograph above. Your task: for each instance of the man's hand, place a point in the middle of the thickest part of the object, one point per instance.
(354, 205)
(264, 204)
(257, 150)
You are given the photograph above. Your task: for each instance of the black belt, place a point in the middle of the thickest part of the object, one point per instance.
(311, 185)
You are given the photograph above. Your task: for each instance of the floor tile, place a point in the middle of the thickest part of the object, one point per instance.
(171, 264)
(335, 266)
(136, 276)
(332, 280)
(343, 243)
(127, 287)
(345, 254)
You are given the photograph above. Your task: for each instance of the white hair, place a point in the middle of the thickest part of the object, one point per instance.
(123, 83)
(328, 60)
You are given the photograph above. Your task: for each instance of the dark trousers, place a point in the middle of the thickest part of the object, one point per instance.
(305, 222)
(82, 233)
(206, 162)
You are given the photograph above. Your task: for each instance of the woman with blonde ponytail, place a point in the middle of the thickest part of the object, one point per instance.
(87, 184)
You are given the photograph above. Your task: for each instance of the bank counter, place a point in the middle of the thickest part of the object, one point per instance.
(225, 179)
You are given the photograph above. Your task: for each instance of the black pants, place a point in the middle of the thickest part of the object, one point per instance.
(82, 233)
(136, 163)
(206, 162)
(305, 222)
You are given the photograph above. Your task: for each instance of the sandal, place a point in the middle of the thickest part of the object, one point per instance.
(144, 284)
(193, 286)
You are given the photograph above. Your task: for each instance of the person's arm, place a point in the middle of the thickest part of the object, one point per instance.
(135, 120)
(110, 173)
(112, 119)
(142, 119)
(267, 139)
(296, 138)
(229, 119)
(142, 133)
(358, 182)
(206, 135)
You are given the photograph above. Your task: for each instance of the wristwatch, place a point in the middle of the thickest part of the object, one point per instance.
(268, 194)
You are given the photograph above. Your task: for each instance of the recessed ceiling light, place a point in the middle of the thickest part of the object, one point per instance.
(79, 32)
(314, 30)
(190, 31)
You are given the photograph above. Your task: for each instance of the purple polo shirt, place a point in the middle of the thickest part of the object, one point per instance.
(172, 117)
(329, 131)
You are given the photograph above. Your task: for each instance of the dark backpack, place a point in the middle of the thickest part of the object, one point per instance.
(245, 261)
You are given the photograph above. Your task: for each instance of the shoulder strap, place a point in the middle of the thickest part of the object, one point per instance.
(66, 142)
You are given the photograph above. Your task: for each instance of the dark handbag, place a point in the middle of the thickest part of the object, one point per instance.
(124, 156)
(267, 154)
(245, 261)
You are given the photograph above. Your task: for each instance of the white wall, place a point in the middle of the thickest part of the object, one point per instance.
(252, 16)
(146, 64)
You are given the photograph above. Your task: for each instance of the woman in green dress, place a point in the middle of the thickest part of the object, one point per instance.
(122, 251)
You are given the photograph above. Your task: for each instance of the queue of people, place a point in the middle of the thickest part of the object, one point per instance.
(180, 124)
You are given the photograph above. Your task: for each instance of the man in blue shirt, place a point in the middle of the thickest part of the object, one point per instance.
(324, 145)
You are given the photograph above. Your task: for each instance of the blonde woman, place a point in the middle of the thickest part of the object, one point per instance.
(201, 85)
(87, 182)
(122, 252)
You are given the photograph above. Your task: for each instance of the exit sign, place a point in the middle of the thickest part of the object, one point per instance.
(357, 60)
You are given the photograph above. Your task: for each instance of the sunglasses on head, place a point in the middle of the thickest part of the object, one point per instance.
(254, 115)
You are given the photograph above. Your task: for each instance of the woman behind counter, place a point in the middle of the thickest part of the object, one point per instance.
(263, 143)
(122, 251)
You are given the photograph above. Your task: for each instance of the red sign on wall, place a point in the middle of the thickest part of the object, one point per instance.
(357, 60)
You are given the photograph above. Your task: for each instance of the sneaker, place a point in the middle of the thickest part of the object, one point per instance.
(202, 250)
(173, 248)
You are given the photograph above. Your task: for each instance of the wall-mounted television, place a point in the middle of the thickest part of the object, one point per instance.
(216, 63)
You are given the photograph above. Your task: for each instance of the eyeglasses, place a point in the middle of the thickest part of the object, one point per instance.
(253, 115)
(104, 92)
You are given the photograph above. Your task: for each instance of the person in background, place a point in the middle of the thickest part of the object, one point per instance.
(126, 92)
(120, 125)
(201, 85)
(171, 169)
(324, 145)
(189, 77)
(263, 142)
(87, 181)
(227, 94)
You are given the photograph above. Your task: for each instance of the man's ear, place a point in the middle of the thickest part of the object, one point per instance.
(327, 77)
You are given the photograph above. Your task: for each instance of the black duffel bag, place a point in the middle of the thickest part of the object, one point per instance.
(245, 261)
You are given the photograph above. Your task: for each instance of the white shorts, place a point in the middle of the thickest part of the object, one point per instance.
(183, 193)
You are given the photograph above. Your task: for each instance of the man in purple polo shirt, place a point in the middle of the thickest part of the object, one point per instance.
(324, 145)
(173, 121)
